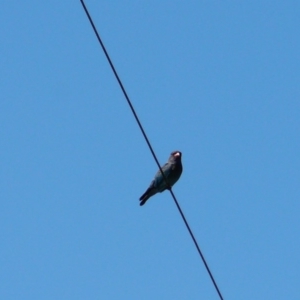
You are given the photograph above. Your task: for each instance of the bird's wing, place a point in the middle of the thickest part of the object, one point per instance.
(158, 178)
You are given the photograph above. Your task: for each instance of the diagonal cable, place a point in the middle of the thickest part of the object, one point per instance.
(150, 147)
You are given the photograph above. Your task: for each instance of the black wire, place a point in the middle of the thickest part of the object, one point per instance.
(150, 147)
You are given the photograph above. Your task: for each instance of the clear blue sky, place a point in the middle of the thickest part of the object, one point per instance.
(218, 80)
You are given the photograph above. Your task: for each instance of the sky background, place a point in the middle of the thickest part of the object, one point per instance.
(217, 80)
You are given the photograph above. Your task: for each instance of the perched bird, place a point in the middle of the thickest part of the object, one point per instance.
(172, 171)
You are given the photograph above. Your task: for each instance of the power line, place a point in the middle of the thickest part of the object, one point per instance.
(150, 147)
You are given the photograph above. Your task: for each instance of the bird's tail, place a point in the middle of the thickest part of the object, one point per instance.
(150, 192)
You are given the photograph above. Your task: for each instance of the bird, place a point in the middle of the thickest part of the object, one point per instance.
(172, 171)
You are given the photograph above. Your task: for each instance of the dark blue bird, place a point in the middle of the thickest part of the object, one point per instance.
(172, 171)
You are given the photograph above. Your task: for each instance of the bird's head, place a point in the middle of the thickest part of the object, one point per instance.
(175, 156)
